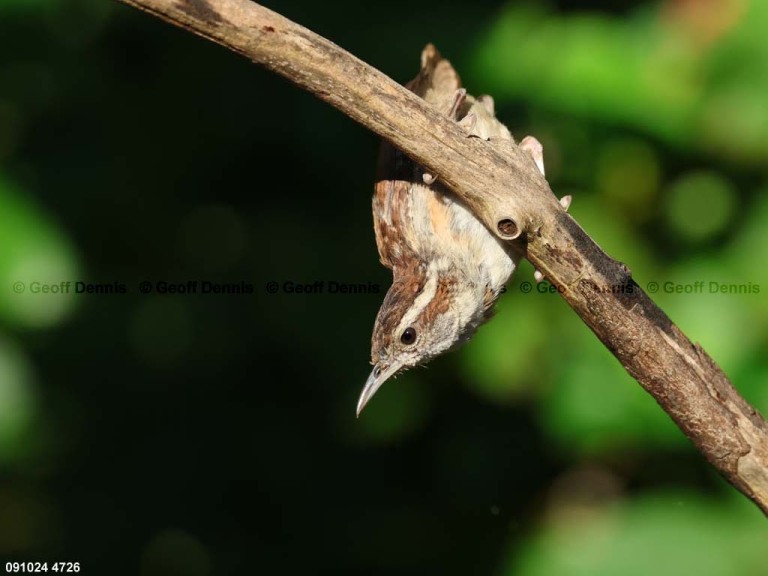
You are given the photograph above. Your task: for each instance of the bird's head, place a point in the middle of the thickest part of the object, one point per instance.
(425, 313)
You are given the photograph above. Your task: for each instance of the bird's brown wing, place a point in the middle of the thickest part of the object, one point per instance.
(391, 207)
(397, 176)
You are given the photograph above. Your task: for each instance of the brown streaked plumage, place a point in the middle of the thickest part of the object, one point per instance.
(448, 270)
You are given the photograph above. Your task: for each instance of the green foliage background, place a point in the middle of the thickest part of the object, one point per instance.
(201, 434)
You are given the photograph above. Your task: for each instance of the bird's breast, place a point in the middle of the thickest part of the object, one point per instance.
(450, 230)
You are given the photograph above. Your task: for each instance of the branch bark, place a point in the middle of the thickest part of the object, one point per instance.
(504, 184)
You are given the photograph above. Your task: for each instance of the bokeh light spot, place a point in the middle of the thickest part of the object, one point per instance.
(35, 260)
(700, 205)
(17, 400)
(628, 175)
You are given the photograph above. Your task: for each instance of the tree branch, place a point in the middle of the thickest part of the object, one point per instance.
(502, 183)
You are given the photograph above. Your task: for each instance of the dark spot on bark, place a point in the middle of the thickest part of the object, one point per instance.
(268, 29)
(200, 10)
(569, 256)
(508, 228)
(627, 293)
(648, 309)
(590, 251)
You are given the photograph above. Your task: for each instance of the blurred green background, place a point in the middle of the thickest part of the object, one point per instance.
(215, 434)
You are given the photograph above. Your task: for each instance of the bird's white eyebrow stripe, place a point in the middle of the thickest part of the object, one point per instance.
(420, 302)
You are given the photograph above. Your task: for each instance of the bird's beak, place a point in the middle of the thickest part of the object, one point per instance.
(379, 375)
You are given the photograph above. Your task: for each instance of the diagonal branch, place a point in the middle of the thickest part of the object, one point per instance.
(501, 184)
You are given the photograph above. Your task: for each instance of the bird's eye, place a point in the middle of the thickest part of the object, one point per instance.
(409, 336)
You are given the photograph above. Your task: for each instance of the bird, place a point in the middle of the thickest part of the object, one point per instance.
(448, 269)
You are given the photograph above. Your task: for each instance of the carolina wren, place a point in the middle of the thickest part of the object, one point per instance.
(448, 269)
